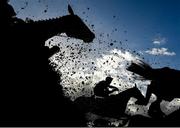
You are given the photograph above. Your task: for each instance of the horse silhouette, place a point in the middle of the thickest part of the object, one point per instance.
(113, 106)
(164, 84)
(30, 93)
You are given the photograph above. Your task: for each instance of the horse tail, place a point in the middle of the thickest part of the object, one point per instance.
(141, 68)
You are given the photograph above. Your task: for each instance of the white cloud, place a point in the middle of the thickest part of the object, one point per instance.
(156, 42)
(160, 51)
(159, 40)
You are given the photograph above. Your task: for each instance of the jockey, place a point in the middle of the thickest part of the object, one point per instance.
(102, 88)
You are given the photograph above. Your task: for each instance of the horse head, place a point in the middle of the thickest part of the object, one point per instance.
(75, 27)
(133, 92)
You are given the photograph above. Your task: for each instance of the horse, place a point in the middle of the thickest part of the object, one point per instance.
(113, 106)
(30, 93)
(161, 79)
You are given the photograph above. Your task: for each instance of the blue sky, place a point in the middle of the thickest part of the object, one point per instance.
(150, 27)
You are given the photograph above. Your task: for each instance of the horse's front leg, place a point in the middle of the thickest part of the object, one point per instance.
(145, 100)
(155, 109)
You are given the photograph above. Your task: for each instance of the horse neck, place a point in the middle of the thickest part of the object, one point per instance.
(132, 92)
(45, 29)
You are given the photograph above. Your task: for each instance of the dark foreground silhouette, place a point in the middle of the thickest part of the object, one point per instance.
(30, 94)
(171, 120)
(165, 85)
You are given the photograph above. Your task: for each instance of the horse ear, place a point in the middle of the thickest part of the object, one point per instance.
(135, 85)
(71, 12)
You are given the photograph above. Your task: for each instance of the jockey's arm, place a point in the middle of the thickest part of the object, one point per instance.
(114, 88)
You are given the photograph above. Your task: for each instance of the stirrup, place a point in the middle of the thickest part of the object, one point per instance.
(98, 97)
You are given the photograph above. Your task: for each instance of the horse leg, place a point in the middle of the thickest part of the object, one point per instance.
(145, 100)
(155, 110)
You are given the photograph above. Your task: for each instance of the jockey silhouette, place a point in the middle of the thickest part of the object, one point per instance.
(102, 88)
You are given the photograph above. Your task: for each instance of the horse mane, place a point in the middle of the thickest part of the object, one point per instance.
(141, 68)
